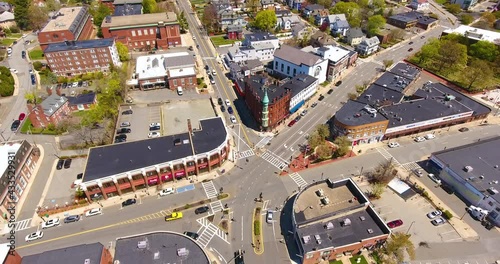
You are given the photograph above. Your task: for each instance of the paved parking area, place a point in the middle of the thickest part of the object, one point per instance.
(176, 114)
(413, 213)
(60, 190)
(142, 116)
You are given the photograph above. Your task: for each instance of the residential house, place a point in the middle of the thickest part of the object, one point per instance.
(221, 4)
(52, 110)
(267, 4)
(127, 7)
(419, 5)
(321, 39)
(321, 17)
(82, 101)
(465, 4)
(290, 61)
(255, 46)
(354, 36)
(4, 7)
(7, 19)
(287, 22)
(295, 4)
(260, 38)
(368, 46)
(229, 17)
(78, 57)
(95, 253)
(338, 24)
(234, 32)
(311, 10)
(300, 30)
(412, 19)
(282, 13)
(303, 87)
(339, 59)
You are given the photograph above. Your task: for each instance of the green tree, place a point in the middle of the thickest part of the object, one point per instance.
(478, 72)
(6, 82)
(37, 65)
(99, 15)
(149, 6)
(484, 50)
(265, 20)
(122, 51)
(453, 8)
(466, 19)
(324, 152)
(343, 146)
(379, 4)
(323, 131)
(37, 16)
(351, 10)
(377, 190)
(21, 15)
(488, 18)
(315, 140)
(252, 6)
(325, 3)
(397, 246)
(374, 24)
(182, 22)
(451, 55)
(387, 63)
(209, 18)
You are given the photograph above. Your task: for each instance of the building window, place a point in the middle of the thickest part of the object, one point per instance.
(174, 82)
(22, 182)
(151, 31)
(139, 33)
(19, 190)
(145, 32)
(133, 33)
(190, 80)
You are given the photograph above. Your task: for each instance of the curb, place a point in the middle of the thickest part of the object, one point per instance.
(260, 236)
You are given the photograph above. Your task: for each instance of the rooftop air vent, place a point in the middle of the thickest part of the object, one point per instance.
(318, 239)
(325, 200)
(370, 231)
(157, 255)
(142, 244)
(362, 218)
(468, 168)
(306, 239)
(481, 177)
(182, 252)
(329, 226)
(320, 193)
(346, 222)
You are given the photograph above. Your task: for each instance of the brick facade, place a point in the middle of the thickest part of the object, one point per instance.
(39, 118)
(188, 82)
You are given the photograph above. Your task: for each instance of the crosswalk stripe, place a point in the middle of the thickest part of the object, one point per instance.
(209, 189)
(411, 166)
(274, 160)
(23, 224)
(388, 156)
(263, 142)
(298, 179)
(244, 154)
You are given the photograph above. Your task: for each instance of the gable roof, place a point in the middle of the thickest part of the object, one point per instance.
(341, 24)
(336, 17)
(88, 98)
(296, 56)
(297, 28)
(370, 41)
(6, 16)
(52, 103)
(355, 33)
(314, 7)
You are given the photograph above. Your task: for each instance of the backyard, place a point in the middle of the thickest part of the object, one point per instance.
(199, 6)
(221, 40)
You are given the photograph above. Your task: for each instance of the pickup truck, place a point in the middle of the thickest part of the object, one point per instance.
(173, 216)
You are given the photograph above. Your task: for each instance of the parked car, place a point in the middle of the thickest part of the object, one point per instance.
(192, 235)
(321, 97)
(395, 223)
(23, 54)
(129, 202)
(13, 70)
(15, 125)
(303, 113)
(314, 104)
(410, 49)
(297, 119)
(411, 42)
(127, 112)
(214, 72)
(228, 103)
(75, 84)
(121, 136)
(430, 136)
(201, 210)
(212, 80)
(222, 108)
(34, 236)
(71, 219)
(434, 178)
(51, 223)
(123, 130)
(418, 172)
(166, 191)
(233, 119)
(422, 37)
(439, 221)
(67, 163)
(219, 101)
(120, 140)
(60, 164)
(93, 212)
(330, 91)
(153, 134)
(33, 79)
(419, 139)
(230, 110)
(292, 123)
(338, 83)
(154, 125)
(125, 124)
(434, 214)
(463, 129)
(269, 216)
(21, 116)
(154, 128)
(393, 144)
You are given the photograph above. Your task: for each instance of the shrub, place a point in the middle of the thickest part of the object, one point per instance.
(187, 206)
(37, 65)
(14, 29)
(256, 227)
(447, 215)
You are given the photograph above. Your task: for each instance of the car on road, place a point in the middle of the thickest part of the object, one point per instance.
(194, 38)
(21, 116)
(410, 49)
(23, 54)
(93, 212)
(33, 79)
(411, 42)
(419, 139)
(173, 216)
(154, 128)
(15, 125)
(297, 119)
(153, 134)
(422, 37)
(212, 80)
(434, 214)
(418, 172)
(67, 163)
(434, 178)
(60, 164)
(393, 144)
(230, 110)
(330, 91)
(222, 108)
(395, 223)
(321, 97)
(51, 223)
(439, 221)
(192, 235)
(129, 202)
(214, 72)
(303, 113)
(233, 119)
(463, 129)
(219, 101)
(430, 136)
(314, 104)
(34, 236)
(154, 124)
(201, 210)
(125, 124)
(228, 103)
(269, 216)
(75, 84)
(123, 130)
(166, 191)
(292, 123)
(338, 83)
(127, 112)
(71, 219)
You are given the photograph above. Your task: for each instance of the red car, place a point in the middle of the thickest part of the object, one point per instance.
(292, 123)
(22, 116)
(395, 223)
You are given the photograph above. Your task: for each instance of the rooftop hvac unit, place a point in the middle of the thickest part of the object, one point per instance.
(325, 200)
(87, 261)
(468, 168)
(306, 239)
(492, 191)
(142, 244)
(370, 231)
(182, 252)
(320, 193)
(318, 239)
(362, 218)
(346, 222)
(329, 226)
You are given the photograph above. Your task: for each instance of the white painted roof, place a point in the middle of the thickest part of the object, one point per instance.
(181, 72)
(153, 66)
(4, 250)
(4, 150)
(476, 33)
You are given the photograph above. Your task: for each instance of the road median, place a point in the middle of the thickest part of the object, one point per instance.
(257, 237)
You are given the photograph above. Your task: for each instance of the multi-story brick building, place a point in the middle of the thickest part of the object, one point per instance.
(51, 111)
(14, 179)
(78, 57)
(144, 32)
(68, 24)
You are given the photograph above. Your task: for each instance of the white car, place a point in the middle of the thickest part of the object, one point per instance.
(434, 214)
(214, 72)
(194, 38)
(439, 221)
(228, 103)
(31, 71)
(154, 125)
(153, 134)
(75, 84)
(51, 223)
(93, 212)
(434, 178)
(9, 50)
(167, 191)
(34, 236)
(233, 119)
(393, 144)
(419, 172)
(430, 136)
(419, 139)
(269, 216)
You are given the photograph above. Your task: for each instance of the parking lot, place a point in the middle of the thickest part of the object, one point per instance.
(176, 114)
(414, 212)
(139, 120)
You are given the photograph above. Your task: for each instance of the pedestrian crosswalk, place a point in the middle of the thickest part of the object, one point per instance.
(209, 189)
(388, 156)
(298, 180)
(263, 142)
(411, 166)
(24, 224)
(216, 206)
(244, 154)
(209, 231)
(275, 160)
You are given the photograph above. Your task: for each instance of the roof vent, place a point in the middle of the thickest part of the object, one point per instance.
(362, 218)
(320, 193)
(157, 255)
(325, 200)
(87, 261)
(481, 177)
(318, 239)
(346, 222)
(370, 231)
(142, 244)
(182, 252)
(306, 239)
(177, 142)
(329, 226)
(468, 168)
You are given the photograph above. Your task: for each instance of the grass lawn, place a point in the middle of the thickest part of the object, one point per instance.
(441, 2)
(335, 262)
(27, 124)
(354, 259)
(36, 54)
(7, 41)
(221, 40)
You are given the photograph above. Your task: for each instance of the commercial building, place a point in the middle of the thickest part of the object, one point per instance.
(144, 32)
(290, 61)
(475, 34)
(339, 59)
(94, 253)
(82, 101)
(168, 70)
(15, 178)
(419, 5)
(68, 24)
(303, 87)
(465, 4)
(127, 167)
(256, 46)
(71, 58)
(412, 19)
(472, 172)
(52, 110)
(159, 247)
(333, 219)
(7, 256)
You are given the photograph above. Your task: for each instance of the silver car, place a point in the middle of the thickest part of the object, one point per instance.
(125, 124)
(439, 221)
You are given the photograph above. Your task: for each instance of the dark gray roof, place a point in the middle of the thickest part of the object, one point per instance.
(267, 2)
(252, 64)
(355, 33)
(482, 156)
(178, 62)
(353, 113)
(123, 2)
(299, 83)
(314, 7)
(393, 81)
(77, 45)
(74, 254)
(52, 103)
(258, 36)
(120, 158)
(161, 247)
(127, 9)
(296, 56)
(233, 28)
(88, 98)
(256, 84)
(406, 70)
(282, 13)
(413, 16)
(378, 96)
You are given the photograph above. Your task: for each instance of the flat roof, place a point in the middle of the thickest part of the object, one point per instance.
(334, 53)
(354, 113)
(127, 9)
(159, 247)
(257, 83)
(139, 20)
(392, 81)
(299, 83)
(152, 66)
(114, 159)
(405, 70)
(79, 45)
(377, 96)
(5, 148)
(74, 254)
(476, 33)
(181, 72)
(65, 18)
(482, 156)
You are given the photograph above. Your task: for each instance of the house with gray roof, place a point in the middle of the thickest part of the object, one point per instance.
(51, 111)
(368, 46)
(354, 36)
(290, 61)
(338, 24)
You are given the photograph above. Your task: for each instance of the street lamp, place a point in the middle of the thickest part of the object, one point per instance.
(407, 231)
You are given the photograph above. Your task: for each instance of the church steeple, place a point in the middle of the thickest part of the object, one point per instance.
(265, 111)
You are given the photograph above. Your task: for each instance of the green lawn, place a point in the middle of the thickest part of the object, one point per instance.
(27, 124)
(441, 2)
(7, 41)
(15, 35)
(221, 40)
(354, 259)
(36, 54)
(335, 262)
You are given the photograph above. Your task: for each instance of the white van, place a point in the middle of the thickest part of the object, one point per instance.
(179, 90)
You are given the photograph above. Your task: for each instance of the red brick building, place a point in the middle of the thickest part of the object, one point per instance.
(7, 256)
(279, 101)
(235, 32)
(144, 32)
(68, 24)
(51, 111)
(82, 102)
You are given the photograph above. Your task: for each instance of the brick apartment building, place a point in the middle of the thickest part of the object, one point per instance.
(144, 32)
(25, 157)
(51, 111)
(78, 57)
(82, 101)
(68, 24)
(95, 253)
